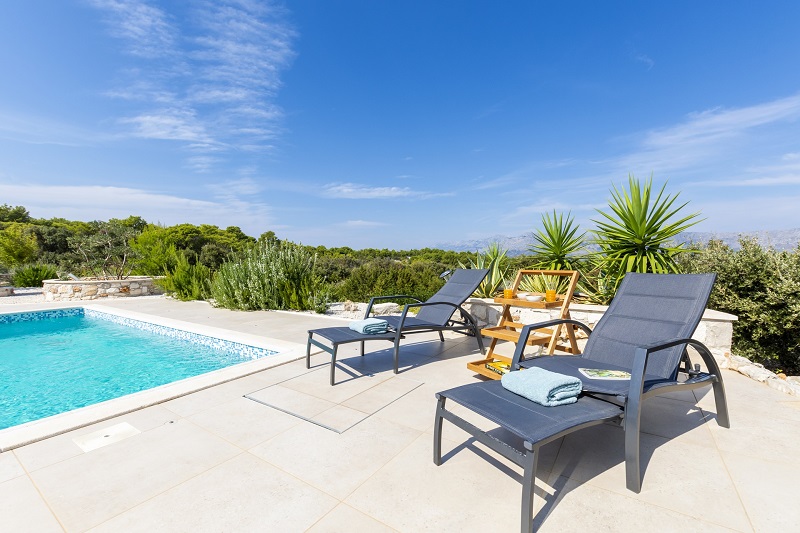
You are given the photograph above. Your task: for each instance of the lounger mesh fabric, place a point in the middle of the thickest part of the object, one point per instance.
(458, 288)
(647, 309)
(526, 419)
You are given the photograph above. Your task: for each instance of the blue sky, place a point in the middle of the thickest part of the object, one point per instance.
(397, 124)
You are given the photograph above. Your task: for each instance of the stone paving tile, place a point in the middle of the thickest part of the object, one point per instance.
(242, 494)
(585, 507)
(90, 488)
(336, 463)
(345, 518)
(22, 508)
(768, 489)
(244, 422)
(61, 447)
(681, 476)
(465, 493)
(10, 467)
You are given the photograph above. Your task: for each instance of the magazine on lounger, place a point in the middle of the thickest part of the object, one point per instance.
(599, 373)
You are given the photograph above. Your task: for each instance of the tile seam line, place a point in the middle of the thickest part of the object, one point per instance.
(733, 482)
(668, 509)
(154, 496)
(39, 492)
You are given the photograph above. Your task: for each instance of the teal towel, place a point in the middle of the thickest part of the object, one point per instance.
(370, 326)
(543, 387)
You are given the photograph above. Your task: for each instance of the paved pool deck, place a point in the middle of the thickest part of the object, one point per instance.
(217, 460)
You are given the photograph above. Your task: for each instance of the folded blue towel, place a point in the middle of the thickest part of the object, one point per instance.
(370, 326)
(543, 387)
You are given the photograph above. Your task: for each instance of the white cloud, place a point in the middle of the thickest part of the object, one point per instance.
(146, 28)
(356, 191)
(644, 59)
(362, 224)
(75, 202)
(170, 124)
(207, 76)
(705, 136)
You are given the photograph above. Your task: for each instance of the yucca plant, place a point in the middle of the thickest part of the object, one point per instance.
(495, 260)
(638, 234)
(556, 245)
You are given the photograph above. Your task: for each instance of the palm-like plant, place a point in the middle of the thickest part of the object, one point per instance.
(637, 236)
(555, 246)
(494, 259)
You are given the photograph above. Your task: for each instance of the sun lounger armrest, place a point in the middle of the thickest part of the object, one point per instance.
(391, 297)
(702, 349)
(526, 332)
(635, 393)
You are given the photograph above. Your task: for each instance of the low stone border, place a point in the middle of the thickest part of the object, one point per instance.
(56, 290)
(756, 371)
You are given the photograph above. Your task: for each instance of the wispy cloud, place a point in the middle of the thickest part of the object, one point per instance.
(226, 208)
(37, 130)
(357, 191)
(706, 135)
(362, 224)
(207, 76)
(644, 59)
(146, 29)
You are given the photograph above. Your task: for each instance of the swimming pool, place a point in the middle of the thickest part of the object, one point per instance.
(55, 361)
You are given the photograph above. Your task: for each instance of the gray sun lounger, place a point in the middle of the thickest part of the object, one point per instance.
(645, 331)
(435, 314)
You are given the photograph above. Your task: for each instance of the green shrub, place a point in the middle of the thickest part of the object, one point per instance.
(17, 244)
(32, 275)
(761, 287)
(270, 275)
(385, 277)
(187, 281)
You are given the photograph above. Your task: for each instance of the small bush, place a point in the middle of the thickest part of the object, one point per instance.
(761, 287)
(187, 281)
(385, 277)
(32, 275)
(270, 275)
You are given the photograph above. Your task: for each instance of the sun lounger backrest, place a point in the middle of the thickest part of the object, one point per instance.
(458, 288)
(648, 309)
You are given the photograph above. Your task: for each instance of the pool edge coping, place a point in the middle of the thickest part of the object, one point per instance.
(36, 430)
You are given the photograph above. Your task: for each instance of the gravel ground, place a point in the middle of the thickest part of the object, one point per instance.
(25, 295)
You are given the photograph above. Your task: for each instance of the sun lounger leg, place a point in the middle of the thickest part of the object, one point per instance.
(633, 479)
(437, 431)
(528, 484)
(396, 352)
(441, 336)
(333, 361)
(308, 351)
(362, 348)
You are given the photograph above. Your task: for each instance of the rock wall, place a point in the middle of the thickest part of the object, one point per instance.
(63, 291)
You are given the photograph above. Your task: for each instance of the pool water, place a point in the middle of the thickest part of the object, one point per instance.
(53, 365)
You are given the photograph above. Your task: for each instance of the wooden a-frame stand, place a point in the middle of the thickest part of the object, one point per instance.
(508, 330)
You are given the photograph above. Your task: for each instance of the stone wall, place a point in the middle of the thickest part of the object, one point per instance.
(63, 291)
(715, 329)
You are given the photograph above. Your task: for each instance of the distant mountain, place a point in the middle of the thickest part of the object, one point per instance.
(779, 239)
